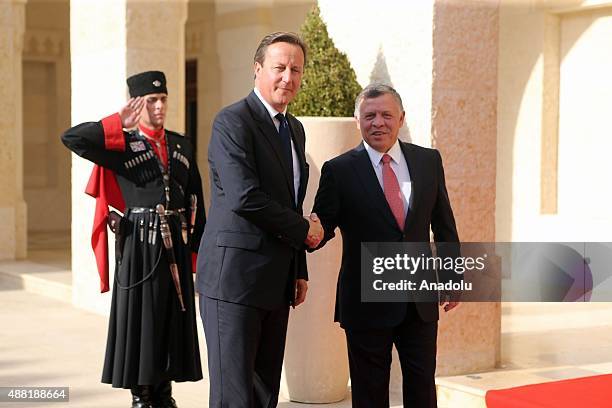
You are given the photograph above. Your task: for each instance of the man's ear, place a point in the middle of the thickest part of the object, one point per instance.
(402, 117)
(357, 123)
(257, 67)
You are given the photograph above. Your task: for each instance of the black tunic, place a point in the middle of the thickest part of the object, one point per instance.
(150, 339)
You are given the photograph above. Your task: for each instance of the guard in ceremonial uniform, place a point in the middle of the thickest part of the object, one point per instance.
(150, 174)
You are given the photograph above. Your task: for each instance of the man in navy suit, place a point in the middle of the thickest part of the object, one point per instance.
(252, 263)
(385, 190)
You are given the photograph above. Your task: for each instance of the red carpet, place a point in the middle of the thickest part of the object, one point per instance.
(586, 392)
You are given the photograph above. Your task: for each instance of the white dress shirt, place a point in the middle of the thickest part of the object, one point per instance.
(399, 166)
(296, 163)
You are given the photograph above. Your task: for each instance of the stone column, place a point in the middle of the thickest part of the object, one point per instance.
(201, 45)
(209, 99)
(464, 130)
(110, 41)
(13, 224)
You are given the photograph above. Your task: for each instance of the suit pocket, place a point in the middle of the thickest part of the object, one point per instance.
(242, 240)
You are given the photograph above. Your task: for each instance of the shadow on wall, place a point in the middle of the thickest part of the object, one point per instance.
(518, 59)
(380, 74)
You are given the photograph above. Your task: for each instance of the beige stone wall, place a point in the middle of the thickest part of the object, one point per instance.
(46, 113)
(585, 145)
(97, 35)
(201, 45)
(521, 90)
(553, 92)
(240, 26)
(12, 205)
(108, 43)
(222, 36)
(159, 48)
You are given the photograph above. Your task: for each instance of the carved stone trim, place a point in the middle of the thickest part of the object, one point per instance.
(44, 43)
(193, 40)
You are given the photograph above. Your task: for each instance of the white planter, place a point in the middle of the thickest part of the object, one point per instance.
(316, 362)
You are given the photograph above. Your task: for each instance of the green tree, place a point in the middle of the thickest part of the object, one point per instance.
(329, 84)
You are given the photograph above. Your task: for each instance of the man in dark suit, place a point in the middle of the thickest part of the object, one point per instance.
(385, 191)
(253, 262)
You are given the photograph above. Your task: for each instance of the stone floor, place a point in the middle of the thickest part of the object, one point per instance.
(45, 341)
(541, 342)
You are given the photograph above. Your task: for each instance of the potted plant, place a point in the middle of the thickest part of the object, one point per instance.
(316, 362)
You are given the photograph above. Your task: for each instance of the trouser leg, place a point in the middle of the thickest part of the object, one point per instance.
(245, 353)
(415, 341)
(370, 364)
(269, 360)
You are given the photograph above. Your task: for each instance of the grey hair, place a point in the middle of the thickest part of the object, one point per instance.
(374, 90)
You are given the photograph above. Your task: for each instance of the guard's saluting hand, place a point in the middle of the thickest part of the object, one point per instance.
(130, 113)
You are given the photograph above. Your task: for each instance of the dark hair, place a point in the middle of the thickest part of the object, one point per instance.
(279, 36)
(375, 90)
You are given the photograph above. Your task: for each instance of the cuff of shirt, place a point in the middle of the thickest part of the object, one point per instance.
(113, 133)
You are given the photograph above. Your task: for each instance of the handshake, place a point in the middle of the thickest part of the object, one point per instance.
(315, 231)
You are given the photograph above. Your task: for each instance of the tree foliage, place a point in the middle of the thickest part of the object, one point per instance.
(329, 84)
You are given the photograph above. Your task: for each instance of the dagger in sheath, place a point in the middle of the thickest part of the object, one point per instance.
(164, 228)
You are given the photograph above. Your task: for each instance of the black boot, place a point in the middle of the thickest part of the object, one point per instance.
(162, 397)
(141, 397)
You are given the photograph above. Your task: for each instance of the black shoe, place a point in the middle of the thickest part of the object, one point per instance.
(162, 396)
(141, 397)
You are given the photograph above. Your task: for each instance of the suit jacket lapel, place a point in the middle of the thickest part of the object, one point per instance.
(267, 128)
(415, 168)
(365, 171)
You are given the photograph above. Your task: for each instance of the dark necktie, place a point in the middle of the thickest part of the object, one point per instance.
(393, 194)
(285, 136)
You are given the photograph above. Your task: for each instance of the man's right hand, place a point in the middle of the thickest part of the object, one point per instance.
(130, 113)
(315, 231)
